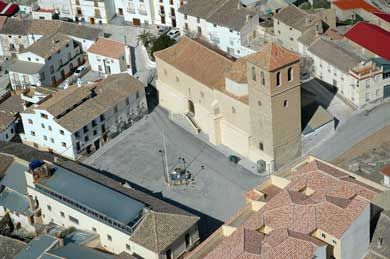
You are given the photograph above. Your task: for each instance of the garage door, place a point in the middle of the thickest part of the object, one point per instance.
(386, 91)
(137, 22)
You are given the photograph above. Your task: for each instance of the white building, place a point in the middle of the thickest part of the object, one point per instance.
(230, 25)
(90, 11)
(49, 61)
(27, 6)
(136, 12)
(18, 34)
(10, 106)
(125, 219)
(166, 12)
(78, 120)
(358, 80)
(107, 57)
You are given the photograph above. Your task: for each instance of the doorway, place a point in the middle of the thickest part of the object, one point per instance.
(136, 22)
(191, 107)
(92, 20)
(120, 11)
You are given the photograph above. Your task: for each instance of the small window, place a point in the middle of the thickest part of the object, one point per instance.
(127, 102)
(74, 220)
(52, 140)
(42, 125)
(50, 128)
(49, 207)
(285, 103)
(334, 241)
(323, 235)
(261, 146)
(128, 248)
(233, 110)
(63, 144)
(253, 73)
(115, 108)
(109, 238)
(62, 132)
(177, 79)
(289, 74)
(62, 214)
(32, 133)
(262, 78)
(94, 229)
(259, 102)
(44, 116)
(86, 138)
(45, 138)
(137, 95)
(30, 121)
(278, 79)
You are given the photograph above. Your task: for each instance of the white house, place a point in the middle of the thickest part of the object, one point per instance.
(358, 80)
(101, 11)
(47, 62)
(78, 120)
(215, 23)
(136, 12)
(125, 219)
(166, 11)
(107, 57)
(10, 106)
(18, 34)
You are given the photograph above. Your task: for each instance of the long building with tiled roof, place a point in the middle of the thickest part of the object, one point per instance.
(81, 118)
(317, 212)
(221, 96)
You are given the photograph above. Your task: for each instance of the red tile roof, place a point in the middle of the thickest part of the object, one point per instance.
(355, 4)
(108, 48)
(371, 37)
(292, 216)
(383, 16)
(386, 170)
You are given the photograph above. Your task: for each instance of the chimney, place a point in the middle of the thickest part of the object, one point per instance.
(386, 176)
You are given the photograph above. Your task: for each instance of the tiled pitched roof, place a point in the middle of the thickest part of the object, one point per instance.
(296, 18)
(9, 108)
(48, 45)
(371, 37)
(159, 230)
(292, 216)
(273, 56)
(107, 48)
(355, 4)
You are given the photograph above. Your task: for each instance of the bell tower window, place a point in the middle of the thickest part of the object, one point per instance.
(278, 79)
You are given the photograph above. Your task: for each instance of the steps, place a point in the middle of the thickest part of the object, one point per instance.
(185, 121)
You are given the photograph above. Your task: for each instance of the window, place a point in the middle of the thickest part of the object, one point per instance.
(177, 79)
(45, 138)
(253, 73)
(62, 214)
(85, 129)
(30, 121)
(52, 140)
(334, 241)
(62, 132)
(198, 20)
(289, 74)
(185, 17)
(74, 220)
(169, 254)
(109, 238)
(262, 78)
(127, 102)
(323, 235)
(233, 110)
(95, 132)
(261, 146)
(137, 95)
(259, 103)
(278, 79)
(86, 138)
(42, 125)
(32, 133)
(94, 229)
(115, 108)
(128, 247)
(63, 144)
(285, 103)
(49, 207)
(94, 122)
(44, 116)
(187, 240)
(102, 117)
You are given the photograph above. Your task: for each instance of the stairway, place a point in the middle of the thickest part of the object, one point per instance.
(185, 121)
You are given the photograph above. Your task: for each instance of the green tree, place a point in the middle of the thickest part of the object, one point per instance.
(162, 42)
(146, 37)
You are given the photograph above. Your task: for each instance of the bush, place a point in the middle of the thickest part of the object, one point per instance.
(162, 42)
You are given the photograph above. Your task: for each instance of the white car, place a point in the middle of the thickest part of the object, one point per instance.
(163, 30)
(80, 71)
(174, 34)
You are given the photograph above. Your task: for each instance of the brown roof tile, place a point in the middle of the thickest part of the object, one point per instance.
(108, 48)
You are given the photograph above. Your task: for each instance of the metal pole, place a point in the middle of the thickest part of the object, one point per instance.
(165, 156)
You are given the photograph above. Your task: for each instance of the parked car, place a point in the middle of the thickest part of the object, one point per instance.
(66, 19)
(163, 30)
(174, 34)
(80, 71)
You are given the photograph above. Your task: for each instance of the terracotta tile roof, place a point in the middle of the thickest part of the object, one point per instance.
(107, 48)
(9, 108)
(296, 18)
(386, 170)
(272, 57)
(355, 4)
(293, 215)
